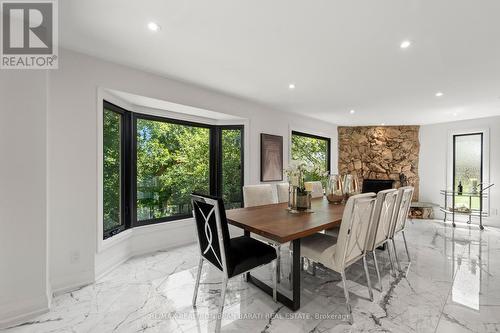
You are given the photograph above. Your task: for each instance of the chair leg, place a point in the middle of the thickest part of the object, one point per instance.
(376, 268)
(197, 285)
(221, 308)
(370, 291)
(406, 246)
(390, 258)
(275, 279)
(396, 254)
(346, 294)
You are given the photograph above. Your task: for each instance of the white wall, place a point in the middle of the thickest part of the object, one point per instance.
(434, 141)
(23, 222)
(72, 142)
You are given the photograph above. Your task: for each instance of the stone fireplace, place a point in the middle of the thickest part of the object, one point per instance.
(381, 152)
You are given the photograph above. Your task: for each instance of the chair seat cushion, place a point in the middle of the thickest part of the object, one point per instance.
(320, 248)
(247, 253)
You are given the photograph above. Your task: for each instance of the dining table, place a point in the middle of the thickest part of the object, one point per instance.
(277, 224)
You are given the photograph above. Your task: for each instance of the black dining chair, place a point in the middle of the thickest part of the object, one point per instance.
(231, 256)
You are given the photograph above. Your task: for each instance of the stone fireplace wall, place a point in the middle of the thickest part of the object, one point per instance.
(385, 152)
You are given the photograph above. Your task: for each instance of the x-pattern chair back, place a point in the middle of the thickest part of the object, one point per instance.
(213, 233)
(352, 242)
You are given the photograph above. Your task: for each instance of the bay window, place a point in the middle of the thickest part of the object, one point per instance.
(153, 164)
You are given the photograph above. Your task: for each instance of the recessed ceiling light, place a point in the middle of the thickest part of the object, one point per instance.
(153, 26)
(291, 86)
(405, 44)
(439, 94)
(455, 114)
(352, 112)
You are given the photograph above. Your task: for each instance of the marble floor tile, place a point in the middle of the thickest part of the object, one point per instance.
(452, 284)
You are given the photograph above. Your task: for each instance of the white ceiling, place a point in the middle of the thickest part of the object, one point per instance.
(341, 54)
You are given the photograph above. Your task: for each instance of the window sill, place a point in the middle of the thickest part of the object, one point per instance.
(103, 245)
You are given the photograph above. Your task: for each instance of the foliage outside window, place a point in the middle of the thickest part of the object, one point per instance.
(232, 143)
(112, 174)
(172, 162)
(314, 151)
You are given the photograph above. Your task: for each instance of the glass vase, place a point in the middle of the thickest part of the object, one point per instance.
(334, 189)
(303, 200)
(351, 186)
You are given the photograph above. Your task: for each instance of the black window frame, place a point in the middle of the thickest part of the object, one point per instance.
(129, 160)
(125, 169)
(314, 136)
(480, 181)
(218, 190)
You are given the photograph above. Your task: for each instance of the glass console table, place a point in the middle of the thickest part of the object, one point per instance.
(456, 203)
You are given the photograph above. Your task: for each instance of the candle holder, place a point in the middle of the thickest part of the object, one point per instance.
(334, 190)
(351, 186)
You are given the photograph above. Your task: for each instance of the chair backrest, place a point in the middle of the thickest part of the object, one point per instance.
(258, 195)
(282, 189)
(353, 232)
(317, 189)
(212, 228)
(401, 208)
(382, 218)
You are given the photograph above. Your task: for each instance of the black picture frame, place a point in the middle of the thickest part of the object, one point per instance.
(271, 158)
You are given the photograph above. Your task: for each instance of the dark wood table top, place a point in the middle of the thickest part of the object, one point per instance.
(275, 222)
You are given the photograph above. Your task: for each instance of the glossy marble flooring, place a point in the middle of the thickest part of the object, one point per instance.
(452, 285)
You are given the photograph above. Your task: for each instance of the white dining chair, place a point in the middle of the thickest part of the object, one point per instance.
(400, 216)
(380, 227)
(339, 253)
(317, 189)
(335, 231)
(258, 195)
(282, 190)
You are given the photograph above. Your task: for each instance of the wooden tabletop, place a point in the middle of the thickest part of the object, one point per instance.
(275, 222)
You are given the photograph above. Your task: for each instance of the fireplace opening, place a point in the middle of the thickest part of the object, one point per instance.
(376, 185)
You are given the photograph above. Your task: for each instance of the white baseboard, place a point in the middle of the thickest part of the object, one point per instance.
(71, 282)
(16, 313)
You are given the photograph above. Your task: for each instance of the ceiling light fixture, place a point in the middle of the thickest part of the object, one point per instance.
(352, 112)
(291, 86)
(405, 44)
(439, 94)
(153, 26)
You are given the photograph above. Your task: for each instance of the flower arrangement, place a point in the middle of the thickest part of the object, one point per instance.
(296, 174)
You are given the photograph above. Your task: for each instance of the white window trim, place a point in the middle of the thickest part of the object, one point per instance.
(104, 95)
